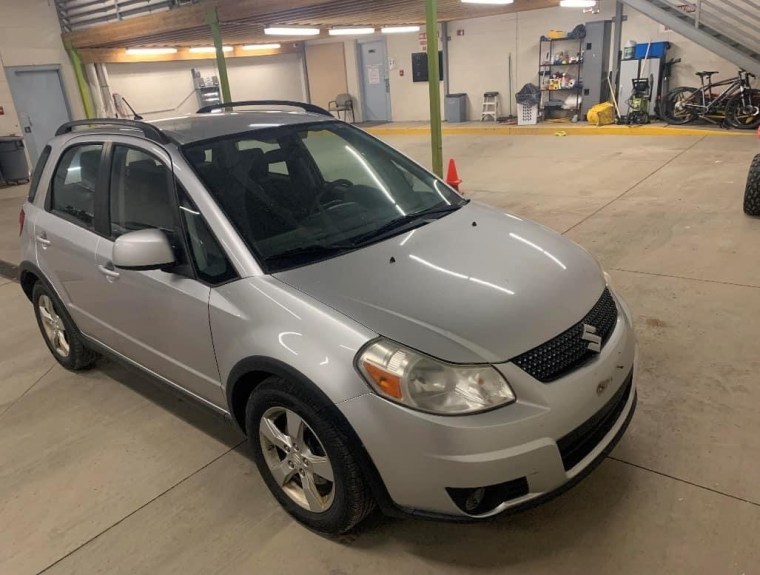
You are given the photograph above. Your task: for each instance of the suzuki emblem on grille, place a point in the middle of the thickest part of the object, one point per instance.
(589, 335)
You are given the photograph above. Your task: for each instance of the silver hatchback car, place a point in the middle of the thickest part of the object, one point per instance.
(380, 339)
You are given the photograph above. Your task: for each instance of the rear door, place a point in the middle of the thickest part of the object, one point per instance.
(157, 318)
(64, 231)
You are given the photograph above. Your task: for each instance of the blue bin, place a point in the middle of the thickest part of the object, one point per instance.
(656, 50)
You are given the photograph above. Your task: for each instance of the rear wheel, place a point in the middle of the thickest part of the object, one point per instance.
(752, 192)
(304, 458)
(743, 110)
(677, 106)
(59, 332)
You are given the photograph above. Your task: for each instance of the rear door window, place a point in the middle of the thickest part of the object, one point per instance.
(74, 183)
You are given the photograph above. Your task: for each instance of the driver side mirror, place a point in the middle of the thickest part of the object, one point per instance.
(143, 250)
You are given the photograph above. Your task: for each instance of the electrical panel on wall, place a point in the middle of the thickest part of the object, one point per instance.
(420, 66)
(207, 88)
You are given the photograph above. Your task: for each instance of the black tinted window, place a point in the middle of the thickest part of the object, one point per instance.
(141, 192)
(73, 188)
(303, 193)
(37, 173)
(211, 263)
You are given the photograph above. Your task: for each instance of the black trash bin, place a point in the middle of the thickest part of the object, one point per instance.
(13, 165)
(456, 108)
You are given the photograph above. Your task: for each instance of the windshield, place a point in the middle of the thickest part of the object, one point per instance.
(300, 194)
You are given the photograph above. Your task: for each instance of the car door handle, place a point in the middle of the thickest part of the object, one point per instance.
(42, 240)
(110, 274)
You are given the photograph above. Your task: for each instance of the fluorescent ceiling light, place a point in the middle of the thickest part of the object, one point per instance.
(287, 31)
(350, 31)
(262, 46)
(577, 3)
(399, 29)
(488, 1)
(208, 49)
(150, 51)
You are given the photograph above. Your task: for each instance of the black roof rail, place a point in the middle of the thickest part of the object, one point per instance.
(304, 106)
(151, 132)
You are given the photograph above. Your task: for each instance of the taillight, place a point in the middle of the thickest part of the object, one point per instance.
(21, 220)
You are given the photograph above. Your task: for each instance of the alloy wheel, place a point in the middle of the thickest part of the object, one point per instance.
(55, 330)
(297, 459)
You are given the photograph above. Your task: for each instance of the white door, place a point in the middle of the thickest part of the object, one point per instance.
(40, 103)
(375, 82)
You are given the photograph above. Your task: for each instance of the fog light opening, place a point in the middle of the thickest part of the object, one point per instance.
(482, 500)
(474, 500)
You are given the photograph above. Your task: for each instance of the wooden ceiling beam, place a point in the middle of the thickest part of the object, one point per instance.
(178, 19)
(186, 25)
(119, 55)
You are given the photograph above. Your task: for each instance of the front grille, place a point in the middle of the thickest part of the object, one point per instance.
(577, 444)
(568, 351)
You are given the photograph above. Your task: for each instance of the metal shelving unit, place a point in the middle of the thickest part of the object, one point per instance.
(551, 48)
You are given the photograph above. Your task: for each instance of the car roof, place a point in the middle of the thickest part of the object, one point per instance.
(196, 127)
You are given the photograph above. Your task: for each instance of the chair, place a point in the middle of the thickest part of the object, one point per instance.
(343, 103)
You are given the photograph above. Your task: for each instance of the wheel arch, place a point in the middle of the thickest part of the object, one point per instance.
(249, 372)
(29, 274)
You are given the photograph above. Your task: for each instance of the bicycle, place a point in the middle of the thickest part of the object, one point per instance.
(738, 106)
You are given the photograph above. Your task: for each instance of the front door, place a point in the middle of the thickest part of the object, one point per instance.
(40, 103)
(375, 81)
(156, 318)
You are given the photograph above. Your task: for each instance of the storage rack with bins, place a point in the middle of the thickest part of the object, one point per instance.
(553, 47)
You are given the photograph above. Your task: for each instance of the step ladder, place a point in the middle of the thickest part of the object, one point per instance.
(490, 107)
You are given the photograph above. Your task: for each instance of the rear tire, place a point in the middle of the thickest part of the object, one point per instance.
(752, 192)
(59, 331)
(311, 472)
(674, 109)
(744, 117)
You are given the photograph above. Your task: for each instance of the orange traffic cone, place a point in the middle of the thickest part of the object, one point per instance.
(452, 176)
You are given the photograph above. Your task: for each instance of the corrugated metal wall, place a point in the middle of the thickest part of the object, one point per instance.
(79, 14)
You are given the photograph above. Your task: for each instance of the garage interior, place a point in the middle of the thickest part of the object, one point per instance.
(107, 472)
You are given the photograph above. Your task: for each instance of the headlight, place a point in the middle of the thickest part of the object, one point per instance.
(421, 382)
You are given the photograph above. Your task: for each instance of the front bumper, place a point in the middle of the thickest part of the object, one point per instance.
(545, 442)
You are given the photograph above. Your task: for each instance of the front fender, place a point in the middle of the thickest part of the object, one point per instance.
(262, 323)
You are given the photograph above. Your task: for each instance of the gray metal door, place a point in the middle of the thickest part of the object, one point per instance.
(40, 102)
(375, 83)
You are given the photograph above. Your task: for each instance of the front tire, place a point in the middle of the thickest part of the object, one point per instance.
(304, 457)
(752, 192)
(743, 111)
(676, 109)
(59, 332)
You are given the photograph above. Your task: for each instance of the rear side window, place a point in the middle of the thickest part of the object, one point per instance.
(37, 173)
(73, 188)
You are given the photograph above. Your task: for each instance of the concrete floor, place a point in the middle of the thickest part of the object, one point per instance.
(105, 472)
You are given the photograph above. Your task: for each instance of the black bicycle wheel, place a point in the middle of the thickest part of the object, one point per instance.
(743, 110)
(676, 106)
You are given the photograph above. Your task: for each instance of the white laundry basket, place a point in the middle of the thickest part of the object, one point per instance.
(526, 115)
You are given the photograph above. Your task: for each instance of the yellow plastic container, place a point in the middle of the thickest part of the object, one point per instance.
(556, 34)
(601, 114)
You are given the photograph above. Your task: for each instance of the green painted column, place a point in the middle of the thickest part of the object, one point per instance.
(84, 87)
(434, 78)
(212, 18)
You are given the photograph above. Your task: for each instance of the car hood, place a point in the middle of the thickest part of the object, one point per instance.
(475, 286)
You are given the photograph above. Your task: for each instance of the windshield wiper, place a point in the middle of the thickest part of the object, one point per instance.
(407, 222)
(315, 251)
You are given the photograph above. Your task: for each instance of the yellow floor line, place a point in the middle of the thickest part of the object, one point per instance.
(558, 129)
